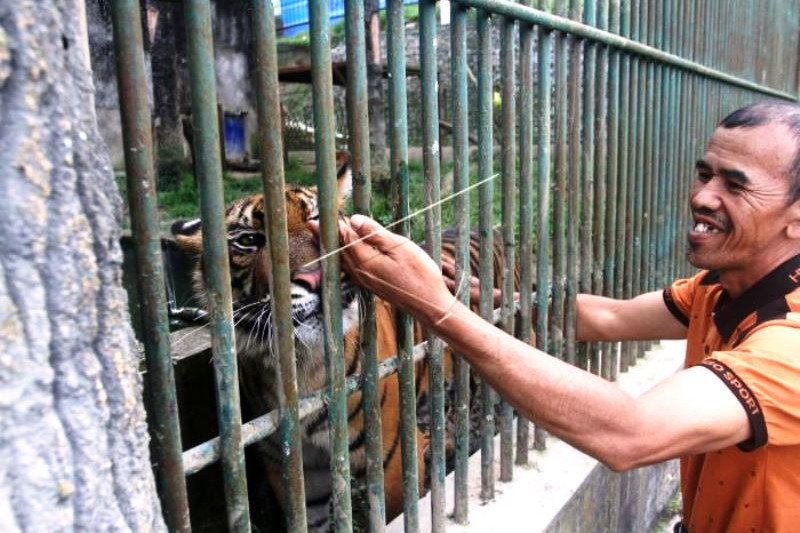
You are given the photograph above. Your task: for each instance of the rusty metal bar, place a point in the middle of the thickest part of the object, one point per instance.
(276, 230)
(139, 172)
(609, 365)
(574, 170)
(358, 129)
(544, 138)
(624, 208)
(524, 332)
(398, 139)
(600, 173)
(324, 145)
(560, 191)
(458, 69)
(509, 165)
(208, 164)
(554, 22)
(586, 350)
(433, 219)
(485, 203)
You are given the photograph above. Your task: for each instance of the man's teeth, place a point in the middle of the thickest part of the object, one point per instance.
(702, 227)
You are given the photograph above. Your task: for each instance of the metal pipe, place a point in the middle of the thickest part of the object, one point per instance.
(276, 231)
(433, 219)
(509, 164)
(526, 82)
(324, 145)
(398, 139)
(553, 22)
(544, 138)
(208, 163)
(458, 51)
(358, 135)
(142, 202)
(486, 263)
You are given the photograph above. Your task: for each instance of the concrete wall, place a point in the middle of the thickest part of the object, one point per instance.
(564, 490)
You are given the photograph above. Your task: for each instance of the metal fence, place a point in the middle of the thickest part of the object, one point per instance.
(604, 107)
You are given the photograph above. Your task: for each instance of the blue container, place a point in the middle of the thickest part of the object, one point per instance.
(294, 14)
(235, 144)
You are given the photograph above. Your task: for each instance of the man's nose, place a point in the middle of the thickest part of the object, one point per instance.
(706, 195)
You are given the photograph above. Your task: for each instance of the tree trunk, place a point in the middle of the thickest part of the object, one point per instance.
(375, 99)
(73, 437)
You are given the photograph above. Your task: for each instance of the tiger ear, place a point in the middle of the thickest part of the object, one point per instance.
(188, 235)
(344, 177)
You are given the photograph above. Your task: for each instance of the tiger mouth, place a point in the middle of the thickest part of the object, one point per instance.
(302, 315)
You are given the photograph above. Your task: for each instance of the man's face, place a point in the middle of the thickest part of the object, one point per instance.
(739, 202)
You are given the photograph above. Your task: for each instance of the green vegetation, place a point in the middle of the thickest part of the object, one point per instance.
(178, 199)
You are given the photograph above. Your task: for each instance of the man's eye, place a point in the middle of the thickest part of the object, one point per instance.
(704, 177)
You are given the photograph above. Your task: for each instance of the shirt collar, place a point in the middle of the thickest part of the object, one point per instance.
(728, 314)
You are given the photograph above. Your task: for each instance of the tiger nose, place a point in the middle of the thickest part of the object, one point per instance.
(312, 278)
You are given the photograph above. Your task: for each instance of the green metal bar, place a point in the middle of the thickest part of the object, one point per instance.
(587, 166)
(433, 220)
(609, 366)
(138, 141)
(485, 204)
(600, 168)
(398, 139)
(641, 174)
(509, 162)
(458, 59)
(208, 164)
(322, 97)
(526, 84)
(271, 149)
(553, 22)
(576, 51)
(628, 111)
(560, 195)
(202, 455)
(544, 112)
(631, 268)
(358, 128)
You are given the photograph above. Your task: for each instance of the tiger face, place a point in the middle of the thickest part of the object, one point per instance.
(258, 376)
(250, 274)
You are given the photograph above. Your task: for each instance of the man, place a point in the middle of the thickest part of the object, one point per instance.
(733, 414)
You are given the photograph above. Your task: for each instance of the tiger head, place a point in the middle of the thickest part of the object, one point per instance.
(250, 272)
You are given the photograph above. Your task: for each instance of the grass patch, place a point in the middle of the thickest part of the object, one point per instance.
(179, 198)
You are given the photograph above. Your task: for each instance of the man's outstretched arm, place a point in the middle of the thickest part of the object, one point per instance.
(691, 412)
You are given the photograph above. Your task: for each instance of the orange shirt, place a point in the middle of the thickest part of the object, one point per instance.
(753, 345)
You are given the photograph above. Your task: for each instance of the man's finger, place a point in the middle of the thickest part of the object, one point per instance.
(374, 234)
(354, 250)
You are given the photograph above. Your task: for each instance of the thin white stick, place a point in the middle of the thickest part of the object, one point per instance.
(396, 222)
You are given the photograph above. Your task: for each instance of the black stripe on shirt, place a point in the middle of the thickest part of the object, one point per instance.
(748, 400)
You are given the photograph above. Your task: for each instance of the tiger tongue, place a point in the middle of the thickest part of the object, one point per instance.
(312, 278)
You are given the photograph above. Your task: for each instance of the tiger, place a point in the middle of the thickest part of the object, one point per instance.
(258, 372)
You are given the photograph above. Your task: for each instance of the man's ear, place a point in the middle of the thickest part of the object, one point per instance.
(188, 235)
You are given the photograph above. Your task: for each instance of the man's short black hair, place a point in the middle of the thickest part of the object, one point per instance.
(772, 112)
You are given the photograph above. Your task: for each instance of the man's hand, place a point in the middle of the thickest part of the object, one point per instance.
(392, 267)
(449, 274)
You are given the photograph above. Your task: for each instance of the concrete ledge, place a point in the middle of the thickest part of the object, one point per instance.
(563, 489)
